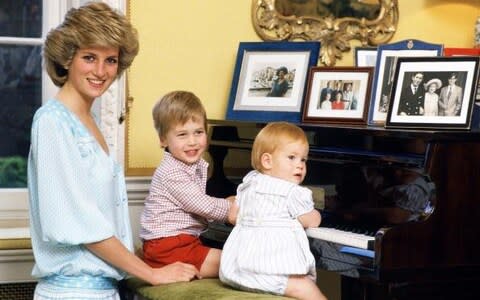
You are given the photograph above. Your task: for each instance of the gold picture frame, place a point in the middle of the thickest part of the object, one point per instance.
(333, 30)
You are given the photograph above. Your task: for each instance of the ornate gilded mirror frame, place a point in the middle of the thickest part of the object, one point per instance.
(334, 34)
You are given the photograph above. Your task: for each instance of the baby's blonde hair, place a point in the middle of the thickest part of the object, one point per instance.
(177, 107)
(273, 136)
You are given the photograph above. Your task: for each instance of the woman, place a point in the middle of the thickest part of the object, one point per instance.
(280, 84)
(338, 101)
(431, 97)
(81, 235)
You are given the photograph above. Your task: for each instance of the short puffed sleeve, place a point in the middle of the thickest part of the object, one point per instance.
(300, 201)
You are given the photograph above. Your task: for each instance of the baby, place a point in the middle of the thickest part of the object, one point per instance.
(268, 250)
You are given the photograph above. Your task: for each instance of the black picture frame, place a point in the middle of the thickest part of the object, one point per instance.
(454, 106)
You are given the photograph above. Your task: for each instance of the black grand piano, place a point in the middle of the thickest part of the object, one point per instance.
(401, 210)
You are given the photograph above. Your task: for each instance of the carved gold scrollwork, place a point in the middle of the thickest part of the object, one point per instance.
(334, 33)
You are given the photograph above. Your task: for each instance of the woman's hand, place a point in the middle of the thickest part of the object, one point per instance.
(175, 272)
(114, 252)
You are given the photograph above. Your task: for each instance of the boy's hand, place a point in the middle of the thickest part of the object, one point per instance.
(231, 198)
(232, 213)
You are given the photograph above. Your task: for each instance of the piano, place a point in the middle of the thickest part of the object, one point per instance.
(401, 210)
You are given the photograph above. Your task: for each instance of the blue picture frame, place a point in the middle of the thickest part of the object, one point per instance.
(383, 80)
(259, 90)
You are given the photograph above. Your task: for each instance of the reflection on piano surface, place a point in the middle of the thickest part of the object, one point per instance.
(402, 213)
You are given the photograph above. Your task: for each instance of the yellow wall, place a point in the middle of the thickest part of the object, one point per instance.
(192, 45)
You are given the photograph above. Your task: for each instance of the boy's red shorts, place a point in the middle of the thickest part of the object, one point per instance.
(183, 247)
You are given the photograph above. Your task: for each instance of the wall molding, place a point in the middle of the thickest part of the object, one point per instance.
(137, 189)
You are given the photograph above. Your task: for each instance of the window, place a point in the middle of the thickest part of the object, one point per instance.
(24, 85)
(20, 85)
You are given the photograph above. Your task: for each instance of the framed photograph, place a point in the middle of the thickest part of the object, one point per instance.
(269, 80)
(365, 56)
(385, 68)
(464, 52)
(433, 92)
(338, 95)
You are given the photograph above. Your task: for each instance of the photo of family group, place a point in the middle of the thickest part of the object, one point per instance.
(433, 92)
(338, 94)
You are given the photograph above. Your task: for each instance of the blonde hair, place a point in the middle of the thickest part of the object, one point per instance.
(177, 107)
(271, 137)
(94, 24)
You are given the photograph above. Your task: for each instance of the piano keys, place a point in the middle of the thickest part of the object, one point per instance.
(347, 238)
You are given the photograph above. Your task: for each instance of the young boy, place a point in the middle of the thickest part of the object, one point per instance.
(177, 207)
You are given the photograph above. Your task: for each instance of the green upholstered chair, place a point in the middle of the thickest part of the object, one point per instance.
(204, 289)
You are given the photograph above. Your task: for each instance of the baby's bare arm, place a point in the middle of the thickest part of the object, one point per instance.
(310, 219)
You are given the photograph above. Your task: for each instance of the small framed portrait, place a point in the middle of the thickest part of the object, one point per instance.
(464, 52)
(385, 68)
(365, 56)
(338, 95)
(269, 80)
(433, 92)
